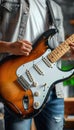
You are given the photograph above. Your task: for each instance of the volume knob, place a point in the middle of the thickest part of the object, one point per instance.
(36, 94)
(36, 104)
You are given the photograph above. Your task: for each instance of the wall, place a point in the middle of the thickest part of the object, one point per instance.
(68, 13)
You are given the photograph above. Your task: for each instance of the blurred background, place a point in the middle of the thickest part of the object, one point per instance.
(68, 13)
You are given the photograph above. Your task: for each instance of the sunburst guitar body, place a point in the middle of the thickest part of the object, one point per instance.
(26, 81)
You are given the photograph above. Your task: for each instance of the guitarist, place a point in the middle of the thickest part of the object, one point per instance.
(21, 23)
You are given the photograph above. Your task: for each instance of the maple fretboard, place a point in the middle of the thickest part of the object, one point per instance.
(59, 51)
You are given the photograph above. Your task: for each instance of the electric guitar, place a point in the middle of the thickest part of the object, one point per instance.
(26, 81)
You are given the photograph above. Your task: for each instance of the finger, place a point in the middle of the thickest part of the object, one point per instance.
(72, 48)
(26, 42)
(25, 50)
(26, 45)
(71, 44)
(24, 53)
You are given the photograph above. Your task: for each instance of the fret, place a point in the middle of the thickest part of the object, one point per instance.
(66, 46)
(59, 49)
(57, 53)
(72, 37)
(54, 54)
(68, 41)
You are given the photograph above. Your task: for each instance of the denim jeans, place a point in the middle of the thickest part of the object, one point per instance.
(50, 118)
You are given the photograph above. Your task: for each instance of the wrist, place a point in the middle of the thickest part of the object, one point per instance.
(4, 47)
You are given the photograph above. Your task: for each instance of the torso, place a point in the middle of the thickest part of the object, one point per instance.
(37, 21)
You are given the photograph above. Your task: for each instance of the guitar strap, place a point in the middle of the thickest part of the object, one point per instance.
(51, 13)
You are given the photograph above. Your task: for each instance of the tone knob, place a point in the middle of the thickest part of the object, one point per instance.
(36, 94)
(35, 84)
(36, 104)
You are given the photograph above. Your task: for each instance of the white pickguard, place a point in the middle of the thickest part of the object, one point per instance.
(44, 82)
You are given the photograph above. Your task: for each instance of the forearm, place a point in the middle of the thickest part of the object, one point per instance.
(4, 47)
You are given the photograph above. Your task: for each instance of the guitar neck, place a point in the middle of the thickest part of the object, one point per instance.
(63, 48)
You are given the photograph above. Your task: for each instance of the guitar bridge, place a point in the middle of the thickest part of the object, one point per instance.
(23, 82)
